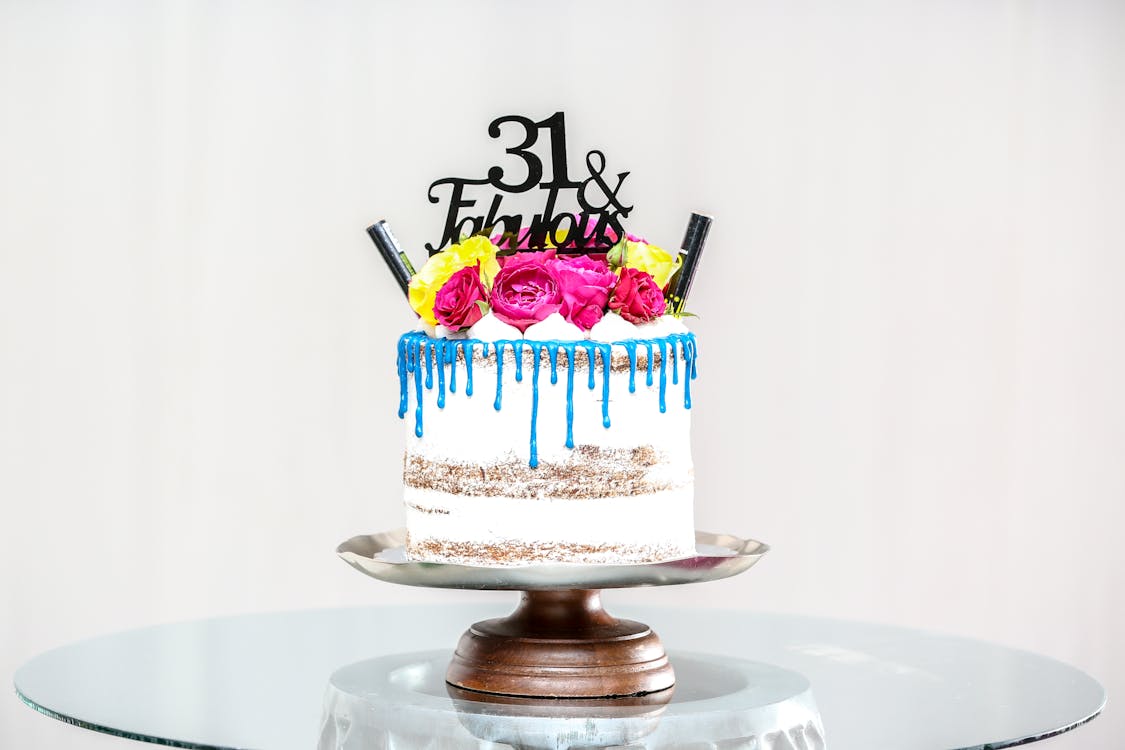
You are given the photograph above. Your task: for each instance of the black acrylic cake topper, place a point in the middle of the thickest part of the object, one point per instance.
(596, 228)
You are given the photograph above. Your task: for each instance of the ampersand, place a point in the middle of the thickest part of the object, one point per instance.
(610, 194)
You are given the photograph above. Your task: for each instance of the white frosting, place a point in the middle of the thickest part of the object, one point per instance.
(612, 327)
(491, 328)
(663, 326)
(441, 332)
(554, 327)
(469, 429)
(425, 327)
(675, 324)
(662, 519)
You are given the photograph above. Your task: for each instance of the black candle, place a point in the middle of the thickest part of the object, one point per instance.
(692, 248)
(392, 253)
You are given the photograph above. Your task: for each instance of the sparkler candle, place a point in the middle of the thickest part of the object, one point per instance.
(692, 247)
(392, 253)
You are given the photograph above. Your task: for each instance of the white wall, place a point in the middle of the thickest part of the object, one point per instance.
(911, 307)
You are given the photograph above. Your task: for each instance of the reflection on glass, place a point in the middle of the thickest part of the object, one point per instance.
(403, 702)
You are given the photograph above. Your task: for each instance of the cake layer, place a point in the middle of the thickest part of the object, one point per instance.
(509, 552)
(516, 530)
(589, 472)
(530, 403)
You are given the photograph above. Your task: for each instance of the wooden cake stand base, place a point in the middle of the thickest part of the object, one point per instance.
(561, 644)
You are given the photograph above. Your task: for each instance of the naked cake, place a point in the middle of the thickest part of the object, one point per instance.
(546, 400)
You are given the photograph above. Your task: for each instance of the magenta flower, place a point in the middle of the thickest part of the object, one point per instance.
(540, 257)
(585, 284)
(637, 298)
(455, 305)
(526, 290)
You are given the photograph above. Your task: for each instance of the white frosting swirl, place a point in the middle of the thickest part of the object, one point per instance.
(441, 332)
(554, 327)
(612, 327)
(663, 326)
(491, 328)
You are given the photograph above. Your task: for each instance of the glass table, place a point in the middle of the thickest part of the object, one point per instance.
(277, 681)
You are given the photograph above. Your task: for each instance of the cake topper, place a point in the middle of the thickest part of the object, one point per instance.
(594, 229)
(587, 266)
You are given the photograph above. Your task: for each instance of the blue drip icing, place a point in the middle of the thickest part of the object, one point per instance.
(675, 347)
(499, 374)
(631, 349)
(570, 350)
(402, 355)
(440, 351)
(430, 364)
(413, 346)
(607, 353)
(648, 370)
(590, 348)
(534, 460)
(418, 391)
(453, 365)
(689, 364)
(469, 366)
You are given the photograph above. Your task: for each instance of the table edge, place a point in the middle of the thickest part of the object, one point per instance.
(102, 729)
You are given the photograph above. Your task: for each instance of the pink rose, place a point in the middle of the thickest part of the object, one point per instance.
(455, 305)
(524, 257)
(636, 297)
(586, 232)
(591, 225)
(526, 290)
(585, 284)
(522, 239)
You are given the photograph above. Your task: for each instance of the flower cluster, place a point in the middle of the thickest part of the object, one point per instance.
(456, 287)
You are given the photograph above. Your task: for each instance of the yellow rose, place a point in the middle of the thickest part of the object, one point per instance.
(656, 262)
(425, 284)
(478, 249)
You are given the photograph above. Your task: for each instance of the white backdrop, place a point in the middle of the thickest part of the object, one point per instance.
(918, 257)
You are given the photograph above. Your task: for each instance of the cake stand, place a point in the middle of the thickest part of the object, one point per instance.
(559, 642)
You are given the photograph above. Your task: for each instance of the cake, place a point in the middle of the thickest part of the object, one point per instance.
(546, 400)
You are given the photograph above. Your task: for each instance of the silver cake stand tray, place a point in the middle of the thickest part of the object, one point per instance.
(383, 556)
(559, 643)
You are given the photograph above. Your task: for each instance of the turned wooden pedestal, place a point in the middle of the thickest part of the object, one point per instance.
(561, 644)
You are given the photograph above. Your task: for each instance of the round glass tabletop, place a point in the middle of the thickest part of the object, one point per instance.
(266, 681)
